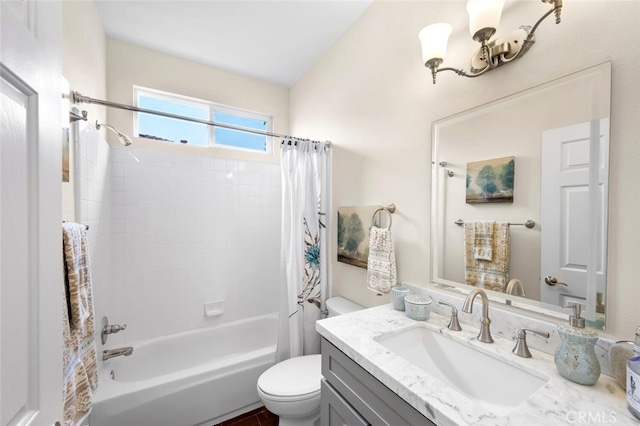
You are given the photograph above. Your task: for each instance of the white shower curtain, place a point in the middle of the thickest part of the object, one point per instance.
(306, 185)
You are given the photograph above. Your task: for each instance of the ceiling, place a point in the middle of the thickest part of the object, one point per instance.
(272, 40)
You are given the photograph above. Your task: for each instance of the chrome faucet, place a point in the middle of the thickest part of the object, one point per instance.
(467, 306)
(521, 348)
(454, 324)
(109, 329)
(112, 353)
(515, 288)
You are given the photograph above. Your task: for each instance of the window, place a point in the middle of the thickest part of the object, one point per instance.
(174, 130)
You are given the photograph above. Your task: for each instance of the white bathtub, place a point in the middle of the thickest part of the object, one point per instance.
(199, 377)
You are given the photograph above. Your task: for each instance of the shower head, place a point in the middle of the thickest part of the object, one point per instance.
(124, 139)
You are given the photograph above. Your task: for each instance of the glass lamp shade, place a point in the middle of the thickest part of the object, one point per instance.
(434, 39)
(484, 14)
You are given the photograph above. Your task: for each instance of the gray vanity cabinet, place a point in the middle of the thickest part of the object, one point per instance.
(353, 397)
(336, 411)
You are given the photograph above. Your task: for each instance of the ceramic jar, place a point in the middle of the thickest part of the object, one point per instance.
(417, 306)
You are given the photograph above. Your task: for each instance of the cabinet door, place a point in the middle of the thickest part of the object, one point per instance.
(369, 397)
(335, 411)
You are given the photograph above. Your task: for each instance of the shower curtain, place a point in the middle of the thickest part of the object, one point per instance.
(306, 184)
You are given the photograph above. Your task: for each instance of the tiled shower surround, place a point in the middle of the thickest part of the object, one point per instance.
(187, 230)
(93, 208)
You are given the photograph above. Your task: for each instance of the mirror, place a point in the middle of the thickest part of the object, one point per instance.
(557, 135)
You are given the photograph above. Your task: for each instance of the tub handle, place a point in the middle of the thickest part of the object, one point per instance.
(109, 329)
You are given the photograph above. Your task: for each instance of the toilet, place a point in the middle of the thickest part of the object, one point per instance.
(291, 388)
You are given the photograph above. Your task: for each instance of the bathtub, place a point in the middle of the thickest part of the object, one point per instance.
(195, 378)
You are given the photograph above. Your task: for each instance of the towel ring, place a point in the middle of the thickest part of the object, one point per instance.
(388, 210)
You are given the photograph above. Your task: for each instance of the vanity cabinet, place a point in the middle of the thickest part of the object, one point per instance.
(352, 396)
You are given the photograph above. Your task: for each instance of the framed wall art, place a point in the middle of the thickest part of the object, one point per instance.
(490, 181)
(354, 224)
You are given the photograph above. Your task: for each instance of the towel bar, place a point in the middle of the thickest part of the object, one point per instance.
(86, 226)
(527, 224)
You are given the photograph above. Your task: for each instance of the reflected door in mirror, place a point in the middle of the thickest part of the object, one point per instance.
(573, 212)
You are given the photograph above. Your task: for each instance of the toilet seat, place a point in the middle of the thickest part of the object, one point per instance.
(294, 379)
(296, 398)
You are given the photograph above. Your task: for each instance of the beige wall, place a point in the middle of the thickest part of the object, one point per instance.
(373, 98)
(84, 67)
(129, 65)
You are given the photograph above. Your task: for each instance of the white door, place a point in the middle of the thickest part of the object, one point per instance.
(30, 214)
(573, 217)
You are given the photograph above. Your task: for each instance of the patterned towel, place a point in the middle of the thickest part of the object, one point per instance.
(490, 274)
(483, 239)
(79, 353)
(381, 265)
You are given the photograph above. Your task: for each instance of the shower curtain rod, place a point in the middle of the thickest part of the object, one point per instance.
(79, 99)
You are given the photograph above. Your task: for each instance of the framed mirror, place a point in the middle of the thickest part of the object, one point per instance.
(540, 158)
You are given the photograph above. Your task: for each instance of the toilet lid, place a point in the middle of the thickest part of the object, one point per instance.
(292, 377)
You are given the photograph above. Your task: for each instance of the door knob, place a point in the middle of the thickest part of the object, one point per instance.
(553, 281)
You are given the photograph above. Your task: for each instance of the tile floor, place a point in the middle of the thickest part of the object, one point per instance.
(258, 417)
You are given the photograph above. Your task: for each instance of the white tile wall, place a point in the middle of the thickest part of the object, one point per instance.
(94, 210)
(188, 230)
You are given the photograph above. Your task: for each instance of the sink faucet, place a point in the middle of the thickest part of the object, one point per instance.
(515, 287)
(485, 332)
(112, 353)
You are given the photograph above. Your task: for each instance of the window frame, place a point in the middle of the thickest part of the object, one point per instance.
(212, 108)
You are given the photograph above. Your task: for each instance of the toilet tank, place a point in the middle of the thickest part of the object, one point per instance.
(340, 305)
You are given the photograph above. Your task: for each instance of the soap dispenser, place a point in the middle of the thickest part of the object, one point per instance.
(575, 357)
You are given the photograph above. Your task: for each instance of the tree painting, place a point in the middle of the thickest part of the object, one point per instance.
(341, 229)
(506, 177)
(486, 181)
(353, 234)
(491, 181)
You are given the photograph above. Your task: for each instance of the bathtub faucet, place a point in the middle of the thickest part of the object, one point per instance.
(112, 353)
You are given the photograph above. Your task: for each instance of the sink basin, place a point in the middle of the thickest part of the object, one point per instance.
(492, 383)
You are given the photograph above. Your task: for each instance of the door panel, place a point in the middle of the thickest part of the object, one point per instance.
(573, 218)
(30, 214)
(14, 268)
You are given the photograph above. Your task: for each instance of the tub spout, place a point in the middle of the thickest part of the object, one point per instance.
(112, 353)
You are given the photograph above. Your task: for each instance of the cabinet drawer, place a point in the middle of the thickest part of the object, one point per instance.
(376, 403)
(335, 411)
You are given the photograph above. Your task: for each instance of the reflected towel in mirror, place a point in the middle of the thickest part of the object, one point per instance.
(490, 274)
(483, 239)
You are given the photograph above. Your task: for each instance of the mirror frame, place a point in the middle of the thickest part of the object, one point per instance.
(603, 71)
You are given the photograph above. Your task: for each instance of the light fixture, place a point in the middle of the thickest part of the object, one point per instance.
(484, 17)
(124, 139)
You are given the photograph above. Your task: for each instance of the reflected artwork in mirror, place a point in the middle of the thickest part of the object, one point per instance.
(556, 221)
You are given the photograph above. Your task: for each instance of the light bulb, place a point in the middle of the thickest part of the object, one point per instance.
(434, 39)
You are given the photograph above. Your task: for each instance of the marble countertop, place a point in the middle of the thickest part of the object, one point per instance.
(558, 402)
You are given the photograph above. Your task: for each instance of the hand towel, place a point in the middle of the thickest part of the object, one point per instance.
(79, 352)
(78, 276)
(483, 239)
(490, 274)
(381, 264)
